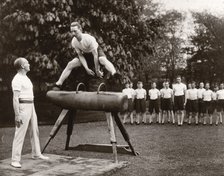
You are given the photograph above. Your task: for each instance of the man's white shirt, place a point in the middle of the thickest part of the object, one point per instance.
(23, 84)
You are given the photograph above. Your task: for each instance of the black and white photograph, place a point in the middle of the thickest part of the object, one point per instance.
(111, 87)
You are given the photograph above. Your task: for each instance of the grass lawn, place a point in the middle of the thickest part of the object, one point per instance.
(164, 149)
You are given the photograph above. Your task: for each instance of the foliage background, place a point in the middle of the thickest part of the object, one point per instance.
(141, 41)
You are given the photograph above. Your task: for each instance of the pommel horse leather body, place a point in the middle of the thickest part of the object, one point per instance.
(90, 101)
(71, 101)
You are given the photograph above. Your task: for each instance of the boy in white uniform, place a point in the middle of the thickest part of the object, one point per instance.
(220, 106)
(166, 106)
(133, 97)
(140, 106)
(207, 102)
(214, 104)
(179, 90)
(154, 96)
(186, 103)
(25, 113)
(200, 101)
(192, 98)
(127, 91)
(89, 53)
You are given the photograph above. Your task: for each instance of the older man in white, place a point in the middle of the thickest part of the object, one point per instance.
(25, 114)
(220, 108)
(179, 90)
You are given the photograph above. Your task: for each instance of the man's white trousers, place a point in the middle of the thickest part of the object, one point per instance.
(29, 119)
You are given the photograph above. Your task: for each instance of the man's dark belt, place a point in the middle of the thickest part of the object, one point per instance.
(25, 101)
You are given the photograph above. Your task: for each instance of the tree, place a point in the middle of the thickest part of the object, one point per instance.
(39, 30)
(206, 63)
(167, 57)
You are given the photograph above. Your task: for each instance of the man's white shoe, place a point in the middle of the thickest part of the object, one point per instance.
(41, 157)
(16, 164)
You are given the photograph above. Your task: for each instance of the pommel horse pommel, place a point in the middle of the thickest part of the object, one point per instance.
(110, 102)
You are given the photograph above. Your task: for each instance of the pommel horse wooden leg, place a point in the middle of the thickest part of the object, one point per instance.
(123, 132)
(71, 118)
(56, 127)
(111, 130)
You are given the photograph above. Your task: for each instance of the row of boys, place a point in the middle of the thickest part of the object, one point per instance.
(198, 103)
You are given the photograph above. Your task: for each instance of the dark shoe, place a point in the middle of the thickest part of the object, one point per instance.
(53, 86)
(56, 87)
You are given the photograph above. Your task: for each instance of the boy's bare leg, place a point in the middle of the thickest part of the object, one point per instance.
(210, 118)
(137, 118)
(143, 117)
(178, 118)
(163, 116)
(189, 119)
(150, 118)
(196, 118)
(159, 117)
(131, 117)
(172, 116)
(204, 122)
(221, 117)
(125, 117)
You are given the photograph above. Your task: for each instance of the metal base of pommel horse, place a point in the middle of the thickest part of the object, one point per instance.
(110, 102)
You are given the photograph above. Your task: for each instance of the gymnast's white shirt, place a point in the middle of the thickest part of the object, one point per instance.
(86, 45)
(23, 84)
(220, 94)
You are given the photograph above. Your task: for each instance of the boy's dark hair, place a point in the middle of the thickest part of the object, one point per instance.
(153, 83)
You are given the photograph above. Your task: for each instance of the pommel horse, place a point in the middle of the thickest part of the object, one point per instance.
(110, 102)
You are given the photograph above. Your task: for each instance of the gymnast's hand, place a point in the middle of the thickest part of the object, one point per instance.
(90, 72)
(99, 73)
